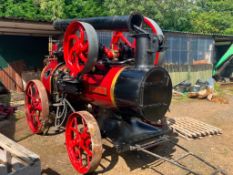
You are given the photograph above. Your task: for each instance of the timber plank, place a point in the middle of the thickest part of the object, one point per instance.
(17, 150)
(191, 128)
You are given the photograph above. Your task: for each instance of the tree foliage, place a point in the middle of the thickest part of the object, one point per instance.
(50, 10)
(205, 16)
(80, 8)
(176, 15)
(213, 16)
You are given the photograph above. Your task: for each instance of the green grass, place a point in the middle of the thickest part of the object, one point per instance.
(223, 91)
(180, 98)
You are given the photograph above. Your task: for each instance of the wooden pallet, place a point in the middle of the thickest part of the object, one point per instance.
(191, 129)
(17, 160)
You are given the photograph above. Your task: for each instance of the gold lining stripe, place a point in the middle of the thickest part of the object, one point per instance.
(113, 86)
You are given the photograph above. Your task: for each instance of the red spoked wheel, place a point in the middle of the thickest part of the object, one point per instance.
(36, 106)
(83, 141)
(80, 47)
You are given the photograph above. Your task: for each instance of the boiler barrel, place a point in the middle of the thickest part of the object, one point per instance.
(119, 23)
(143, 93)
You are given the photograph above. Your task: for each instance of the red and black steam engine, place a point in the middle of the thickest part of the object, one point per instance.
(94, 90)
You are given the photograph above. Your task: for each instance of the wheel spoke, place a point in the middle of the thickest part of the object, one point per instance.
(84, 47)
(83, 58)
(75, 124)
(81, 34)
(32, 116)
(29, 106)
(38, 107)
(38, 120)
(85, 134)
(74, 143)
(74, 43)
(73, 53)
(37, 104)
(87, 150)
(35, 92)
(78, 68)
(78, 156)
(76, 132)
(73, 37)
(29, 93)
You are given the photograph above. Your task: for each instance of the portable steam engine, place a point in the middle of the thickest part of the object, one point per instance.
(117, 91)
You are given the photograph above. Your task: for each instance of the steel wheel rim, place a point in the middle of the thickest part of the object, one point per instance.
(36, 105)
(83, 142)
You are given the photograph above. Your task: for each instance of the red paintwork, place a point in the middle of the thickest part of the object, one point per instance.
(78, 142)
(54, 47)
(108, 52)
(117, 36)
(45, 77)
(75, 48)
(98, 87)
(148, 23)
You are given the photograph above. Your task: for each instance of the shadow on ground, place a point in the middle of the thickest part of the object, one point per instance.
(136, 159)
(49, 171)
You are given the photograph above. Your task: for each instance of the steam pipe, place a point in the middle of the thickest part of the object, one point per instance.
(119, 23)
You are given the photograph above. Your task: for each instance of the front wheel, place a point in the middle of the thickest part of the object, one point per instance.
(83, 141)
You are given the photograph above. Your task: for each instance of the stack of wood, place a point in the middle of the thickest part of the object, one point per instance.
(190, 128)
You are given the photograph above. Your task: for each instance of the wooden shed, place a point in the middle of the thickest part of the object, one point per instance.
(23, 46)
